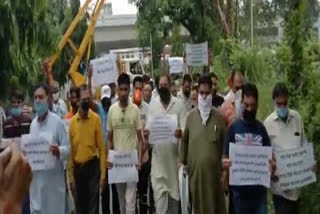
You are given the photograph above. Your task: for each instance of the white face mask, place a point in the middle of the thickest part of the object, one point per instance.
(55, 96)
(205, 106)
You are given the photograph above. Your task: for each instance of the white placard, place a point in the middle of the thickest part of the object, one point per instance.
(250, 165)
(294, 167)
(124, 168)
(162, 128)
(105, 70)
(36, 149)
(176, 65)
(197, 54)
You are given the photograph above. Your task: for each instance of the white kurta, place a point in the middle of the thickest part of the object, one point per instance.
(48, 188)
(164, 164)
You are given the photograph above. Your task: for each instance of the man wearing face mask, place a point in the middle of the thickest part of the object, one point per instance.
(15, 125)
(103, 109)
(217, 100)
(88, 159)
(285, 128)
(164, 167)
(59, 107)
(201, 151)
(47, 191)
(247, 131)
(231, 108)
(185, 93)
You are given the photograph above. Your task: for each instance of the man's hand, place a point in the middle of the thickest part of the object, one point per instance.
(102, 185)
(55, 150)
(138, 166)
(12, 165)
(146, 134)
(109, 165)
(272, 166)
(226, 163)
(178, 133)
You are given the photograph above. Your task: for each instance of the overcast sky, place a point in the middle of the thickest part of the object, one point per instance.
(120, 6)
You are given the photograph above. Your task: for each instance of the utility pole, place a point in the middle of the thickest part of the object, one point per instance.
(251, 17)
(151, 56)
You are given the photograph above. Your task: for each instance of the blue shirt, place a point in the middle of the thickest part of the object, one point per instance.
(103, 116)
(242, 132)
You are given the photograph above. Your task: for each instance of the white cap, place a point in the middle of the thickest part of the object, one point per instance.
(105, 92)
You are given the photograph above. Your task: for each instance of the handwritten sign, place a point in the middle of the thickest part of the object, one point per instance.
(124, 168)
(197, 54)
(36, 149)
(294, 167)
(176, 65)
(104, 70)
(250, 165)
(162, 128)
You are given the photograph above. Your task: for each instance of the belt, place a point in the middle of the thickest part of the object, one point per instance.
(88, 162)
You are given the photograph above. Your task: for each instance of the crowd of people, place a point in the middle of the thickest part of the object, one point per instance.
(117, 120)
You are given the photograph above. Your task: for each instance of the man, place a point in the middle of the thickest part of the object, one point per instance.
(144, 173)
(114, 97)
(247, 131)
(217, 100)
(59, 107)
(124, 128)
(87, 156)
(201, 151)
(48, 188)
(17, 124)
(194, 95)
(164, 168)
(231, 108)
(285, 128)
(103, 109)
(147, 93)
(185, 93)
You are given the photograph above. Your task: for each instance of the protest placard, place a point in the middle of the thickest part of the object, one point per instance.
(250, 165)
(124, 168)
(176, 65)
(294, 167)
(162, 128)
(36, 149)
(104, 70)
(197, 54)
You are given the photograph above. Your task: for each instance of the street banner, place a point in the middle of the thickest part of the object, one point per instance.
(250, 165)
(162, 128)
(197, 54)
(294, 167)
(37, 151)
(104, 70)
(176, 65)
(124, 168)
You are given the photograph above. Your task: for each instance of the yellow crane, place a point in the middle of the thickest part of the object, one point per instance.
(77, 78)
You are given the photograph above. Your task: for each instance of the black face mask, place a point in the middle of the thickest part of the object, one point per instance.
(74, 105)
(249, 116)
(164, 94)
(106, 103)
(85, 106)
(187, 93)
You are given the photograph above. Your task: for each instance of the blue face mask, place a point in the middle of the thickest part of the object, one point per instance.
(41, 108)
(15, 111)
(282, 112)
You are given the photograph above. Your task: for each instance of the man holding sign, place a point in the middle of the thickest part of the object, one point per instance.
(124, 128)
(247, 132)
(168, 115)
(286, 132)
(48, 188)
